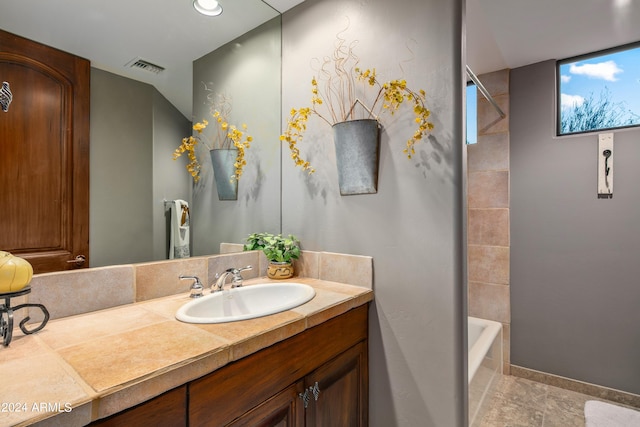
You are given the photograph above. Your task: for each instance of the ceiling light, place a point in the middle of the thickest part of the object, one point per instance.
(207, 7)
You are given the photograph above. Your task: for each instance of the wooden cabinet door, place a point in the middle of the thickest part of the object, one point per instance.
(44, 154)
(341, 386)
(285, 409)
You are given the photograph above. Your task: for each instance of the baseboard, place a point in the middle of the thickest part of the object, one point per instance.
(613, 395)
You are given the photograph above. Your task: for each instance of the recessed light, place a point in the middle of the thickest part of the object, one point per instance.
(207, 7)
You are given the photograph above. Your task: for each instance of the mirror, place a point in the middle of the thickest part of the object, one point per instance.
(138, 117)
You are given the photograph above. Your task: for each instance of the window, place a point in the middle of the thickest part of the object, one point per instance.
(599, 91)
(472, 114)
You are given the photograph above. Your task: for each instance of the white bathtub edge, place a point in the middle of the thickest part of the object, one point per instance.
(480, 348)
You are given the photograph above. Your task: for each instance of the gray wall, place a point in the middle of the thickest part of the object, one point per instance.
(248, 71)
(170, 178)
(412, 226)
(133, 132)
(574, 258)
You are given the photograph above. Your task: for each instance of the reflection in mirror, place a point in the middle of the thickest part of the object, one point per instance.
(244, 71)
(138, 118)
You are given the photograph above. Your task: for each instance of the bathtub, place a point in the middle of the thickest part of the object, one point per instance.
(485, 364)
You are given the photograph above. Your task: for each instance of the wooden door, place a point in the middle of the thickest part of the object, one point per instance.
(44, 155)
(339, 391)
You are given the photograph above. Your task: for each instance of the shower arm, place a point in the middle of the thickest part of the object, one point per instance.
(485, 92)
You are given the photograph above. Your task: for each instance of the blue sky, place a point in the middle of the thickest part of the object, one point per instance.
(619, 72)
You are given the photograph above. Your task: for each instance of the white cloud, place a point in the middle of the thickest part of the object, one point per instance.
(570, 101)
(602, 70)
(565, 79)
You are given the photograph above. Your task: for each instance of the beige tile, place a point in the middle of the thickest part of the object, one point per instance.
(160, 279)
(308, 265)
(118, 359)
(341, 288)
(510, 414)
(564, 408)
(78, 416)
(599, 392)
(21, 346)
(263, 263)
(488, 264)
(352, 269)
(246, 334)
(168, 306)
(490, 153)
(218, 264)
(32, 374)
(506, 349)
(522, 392)
(488, 189)
(488, 227)
(76, 330)
(135, 394)
(488, 301)
(230, 248)
(357, 295)
(489, 120)
(315, 309)
(496, 83)
(81, 291)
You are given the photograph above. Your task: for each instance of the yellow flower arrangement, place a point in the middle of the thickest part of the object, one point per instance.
(225, 136)
(340, 74)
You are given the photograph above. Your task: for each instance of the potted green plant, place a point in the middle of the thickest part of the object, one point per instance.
(279, 250)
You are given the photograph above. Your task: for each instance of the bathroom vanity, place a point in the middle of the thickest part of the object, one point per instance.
(316, 378)
(136, 364)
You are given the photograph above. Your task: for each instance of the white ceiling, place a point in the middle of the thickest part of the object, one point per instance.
(514, 33)
(500, 33)
(112, 33)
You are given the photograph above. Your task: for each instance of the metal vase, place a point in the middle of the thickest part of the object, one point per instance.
(357, 145)
(223, 160)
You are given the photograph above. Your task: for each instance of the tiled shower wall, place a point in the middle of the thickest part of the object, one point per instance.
(488, 210)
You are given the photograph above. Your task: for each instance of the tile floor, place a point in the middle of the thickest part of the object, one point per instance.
(519, 402)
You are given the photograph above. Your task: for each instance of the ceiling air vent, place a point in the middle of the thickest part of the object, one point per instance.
(141, 64)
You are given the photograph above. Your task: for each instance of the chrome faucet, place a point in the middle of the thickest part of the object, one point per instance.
(196, 287)
(236, 281)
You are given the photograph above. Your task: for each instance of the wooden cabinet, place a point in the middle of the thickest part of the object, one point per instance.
(282, 410)
(333, 395)
(328, 363)
(333, 354)
(167, 410)
(339, 391)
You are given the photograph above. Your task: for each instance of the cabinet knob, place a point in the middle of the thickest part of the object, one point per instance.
(305, 398)
(315, 390)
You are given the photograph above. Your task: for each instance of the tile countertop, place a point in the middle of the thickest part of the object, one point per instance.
(89, 366)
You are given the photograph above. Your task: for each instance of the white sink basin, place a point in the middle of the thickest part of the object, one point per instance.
(247, 302)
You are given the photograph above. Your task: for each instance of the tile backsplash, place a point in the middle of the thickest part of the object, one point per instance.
(81, 291)
(76, 292)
